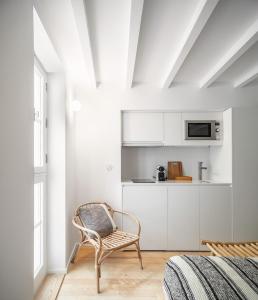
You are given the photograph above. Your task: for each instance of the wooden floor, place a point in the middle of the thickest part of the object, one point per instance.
(121, 278)
(50, 287)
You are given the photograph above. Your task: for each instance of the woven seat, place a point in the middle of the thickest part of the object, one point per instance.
(118, 239)
(107, 240)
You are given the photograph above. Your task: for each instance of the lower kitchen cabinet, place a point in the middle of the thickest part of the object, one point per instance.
(183, 218)
(149, 205)
(215, 213)
(178, 217)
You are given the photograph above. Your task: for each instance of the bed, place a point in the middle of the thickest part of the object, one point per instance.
(211, 277)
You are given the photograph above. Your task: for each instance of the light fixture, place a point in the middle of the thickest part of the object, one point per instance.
(76, 105)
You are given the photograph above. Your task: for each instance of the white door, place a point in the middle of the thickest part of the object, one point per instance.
(149, 205)
(142, 128)
(183, 218)
(172, 129)
(215, 213)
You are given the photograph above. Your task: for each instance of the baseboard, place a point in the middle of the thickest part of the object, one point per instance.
(64, 270)
(73, 253)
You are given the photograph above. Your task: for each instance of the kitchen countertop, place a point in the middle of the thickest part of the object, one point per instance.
(178, 182)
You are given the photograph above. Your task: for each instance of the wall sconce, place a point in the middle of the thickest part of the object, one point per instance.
(76, 105)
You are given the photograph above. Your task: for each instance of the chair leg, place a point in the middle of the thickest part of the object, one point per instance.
(139, 253)
(97, 269)
(97, 279)
(76, 250)
(100, 271)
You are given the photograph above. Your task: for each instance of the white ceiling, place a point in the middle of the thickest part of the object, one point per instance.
(200, 42)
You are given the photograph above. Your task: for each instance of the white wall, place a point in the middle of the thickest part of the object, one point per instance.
(97, 146)
(141, 162)
(98, 128)
(221, 157)
(71, 203)
(245, 166)
(16, 151)
(56, 204)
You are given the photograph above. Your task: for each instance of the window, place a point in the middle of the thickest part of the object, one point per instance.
(40, 172)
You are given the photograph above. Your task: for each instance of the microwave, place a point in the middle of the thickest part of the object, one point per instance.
(201, 129)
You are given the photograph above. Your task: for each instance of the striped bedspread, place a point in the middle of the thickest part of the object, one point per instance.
(211, 277)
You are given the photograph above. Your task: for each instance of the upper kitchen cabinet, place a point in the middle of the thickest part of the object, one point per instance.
(172, 129)
(143, 129)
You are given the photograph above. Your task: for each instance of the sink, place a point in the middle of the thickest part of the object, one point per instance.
(205, 181)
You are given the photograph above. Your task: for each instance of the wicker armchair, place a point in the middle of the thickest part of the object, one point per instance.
(104, 246)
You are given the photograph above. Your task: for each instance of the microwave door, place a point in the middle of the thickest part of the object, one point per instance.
(199, 130)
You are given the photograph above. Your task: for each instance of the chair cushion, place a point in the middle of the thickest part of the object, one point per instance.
(97, 217)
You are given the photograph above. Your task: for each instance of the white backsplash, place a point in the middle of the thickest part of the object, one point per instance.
(141, 162)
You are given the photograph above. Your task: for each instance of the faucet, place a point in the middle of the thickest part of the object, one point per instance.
(200, 168)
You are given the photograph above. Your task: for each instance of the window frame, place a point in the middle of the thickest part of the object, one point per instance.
(43, 74)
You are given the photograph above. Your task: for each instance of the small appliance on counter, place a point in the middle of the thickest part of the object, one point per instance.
(160, 173)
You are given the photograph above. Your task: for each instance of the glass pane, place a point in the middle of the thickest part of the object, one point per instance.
(37, 249)
(199, 129)
(38, 118)
(37, 90)
(38, 226)
(38, 203)
(38, 144)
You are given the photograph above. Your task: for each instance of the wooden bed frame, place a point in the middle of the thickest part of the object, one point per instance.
(243, 249)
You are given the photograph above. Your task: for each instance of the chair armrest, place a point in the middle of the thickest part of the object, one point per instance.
(132, 217)
(88, 231)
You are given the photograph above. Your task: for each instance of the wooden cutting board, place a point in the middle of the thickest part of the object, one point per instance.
(175, 169)
(184, 178)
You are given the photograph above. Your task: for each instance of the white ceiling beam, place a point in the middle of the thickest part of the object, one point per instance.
(44, 48)
(248, 39)
(134, 31)
(79, 11)
(247, 78)
(198, 21)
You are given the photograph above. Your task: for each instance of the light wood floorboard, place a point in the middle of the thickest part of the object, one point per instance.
(50, 287)
(121, 276)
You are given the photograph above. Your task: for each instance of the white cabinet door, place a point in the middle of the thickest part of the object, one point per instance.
(149, 205)
(215, 213)
(142, 128)
(183, 218)
(172, 129)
